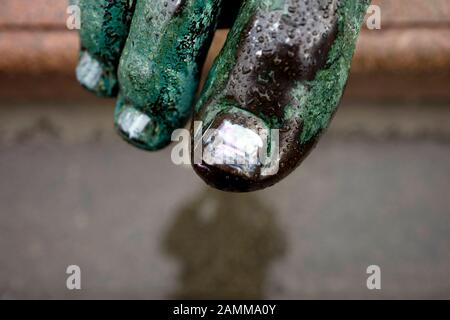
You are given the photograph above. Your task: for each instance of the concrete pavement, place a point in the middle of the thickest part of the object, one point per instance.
(375, 191)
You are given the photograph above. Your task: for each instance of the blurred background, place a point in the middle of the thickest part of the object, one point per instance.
(376, 191)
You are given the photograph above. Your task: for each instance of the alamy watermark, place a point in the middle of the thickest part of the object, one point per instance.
(73, 281)
(374, 280)
(230, 144)
(373, 21)
(73, 21)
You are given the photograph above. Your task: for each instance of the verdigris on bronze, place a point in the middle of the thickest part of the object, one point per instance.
(160, 67)
(104, 30)
(284, 67)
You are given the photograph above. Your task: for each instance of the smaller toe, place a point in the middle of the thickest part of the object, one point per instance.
(140, 129)
(95, 77)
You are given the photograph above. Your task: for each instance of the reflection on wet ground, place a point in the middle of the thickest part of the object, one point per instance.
(140, 227)
(224, 244)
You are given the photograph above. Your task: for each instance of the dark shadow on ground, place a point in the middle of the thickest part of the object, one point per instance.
(225, 244)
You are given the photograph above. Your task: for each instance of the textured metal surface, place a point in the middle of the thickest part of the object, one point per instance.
(285, 63)
(161, 64)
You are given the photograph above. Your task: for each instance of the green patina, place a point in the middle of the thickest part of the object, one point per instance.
(225, 61)
(318, 99)
(104, 30)
(161, 61)
(159, 65)
(220, 71)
